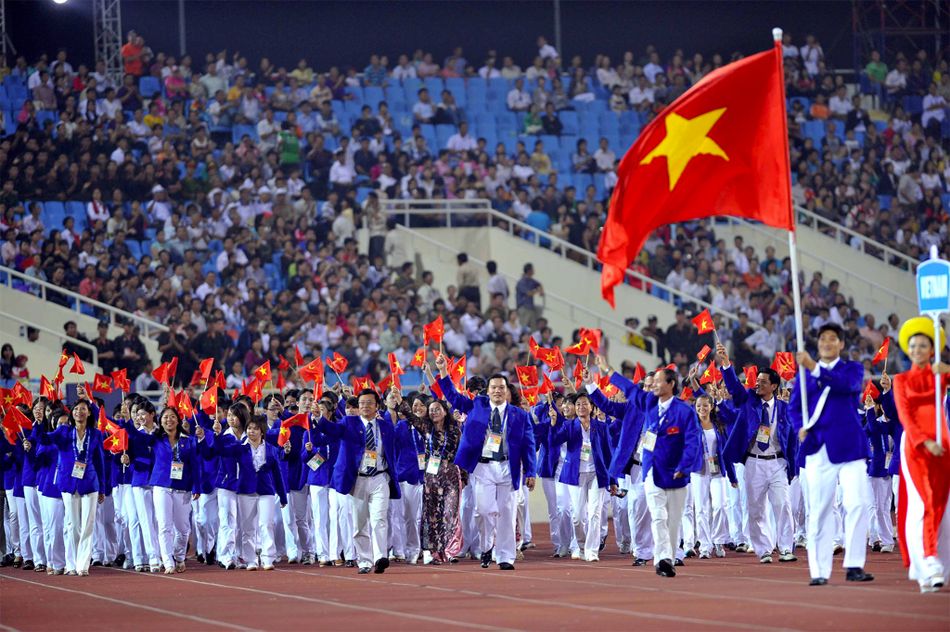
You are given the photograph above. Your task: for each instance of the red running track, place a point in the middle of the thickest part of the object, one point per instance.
(735, 593)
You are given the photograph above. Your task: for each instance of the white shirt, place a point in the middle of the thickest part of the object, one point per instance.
(258, 455)
(518, 99)
(588, 465)
(380, 459)
(774, 447)
(929, 101)
(458, 142)
(547, 51)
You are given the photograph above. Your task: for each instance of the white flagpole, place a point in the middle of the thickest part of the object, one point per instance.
(793, 247)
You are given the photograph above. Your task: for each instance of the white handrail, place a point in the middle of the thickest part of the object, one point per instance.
(479, 207)
(150, 328)
(57, 334)
(868, 245)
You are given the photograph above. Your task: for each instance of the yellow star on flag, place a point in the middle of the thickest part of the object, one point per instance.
(284, 432)
(115, 442)
(686, 138)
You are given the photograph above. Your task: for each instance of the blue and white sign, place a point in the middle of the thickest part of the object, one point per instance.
(933, 287)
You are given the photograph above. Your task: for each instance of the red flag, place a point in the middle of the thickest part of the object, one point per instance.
(78, 368)
(172, 401)
(433, 331)
(686, 394)
(882, 352)
(527, 375)
(185, 407)
(117, 442)
(22, 395)
(284, 365)
(638, 373)
(751, 376)
(719, 149)
(784, 364)
(103, 423)
(871, 390)
(578, 374)
(121, 380)
(362, 383)
(298, 359)
(312, 371)
(552, 357)
(317, 390)
(255, 390)
(703, 322)
(300, 419)
(196, 379)
(161, 373)
(262, 373)
(281, 382)
(209, 400)
(47, 390)
(59, 376)
(458, 371)
(172, 369)
(670, 366)
(338, 363)
(14, 422)
(592, 337)
(547, 386)
(530, 395)
(711, 374)
(219, 380)
(6, 398)
(204, 369)
(394, 367)
(436, 390)
(581, 347)
(703, 353)
(101, 383)
(387, 383)
(533, 347)
(419, 358)
(607, 387)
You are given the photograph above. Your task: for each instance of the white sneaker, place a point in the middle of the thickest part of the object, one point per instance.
(575, 555)
(887, 548)
(787, 556)
(252, 566)
(704, 555)
(720, 551)
(765, 559)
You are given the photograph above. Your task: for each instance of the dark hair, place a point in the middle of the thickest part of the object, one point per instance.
(270, 398)
(369, 391)
(241, 412)
(833, 328)
(259, 421)
(579, 395)
(441, 404)
(72, 411)
(476, 384)
(670, 376)
(717, 423)
(496, 376)
(292, 392)
(773, 376)
(491, 266)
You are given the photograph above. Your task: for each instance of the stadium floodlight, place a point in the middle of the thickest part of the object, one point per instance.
(60, 1)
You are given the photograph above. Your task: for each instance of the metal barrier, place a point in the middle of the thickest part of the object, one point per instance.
(843, 234)
(57, 334)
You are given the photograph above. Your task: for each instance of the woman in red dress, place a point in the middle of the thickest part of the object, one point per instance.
(923, 524)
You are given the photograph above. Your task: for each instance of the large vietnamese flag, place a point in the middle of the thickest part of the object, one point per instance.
(719, 149)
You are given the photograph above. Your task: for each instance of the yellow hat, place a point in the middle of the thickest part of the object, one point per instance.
(920, 325)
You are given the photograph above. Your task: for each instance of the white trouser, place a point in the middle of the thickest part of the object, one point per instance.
(173, 515)
(638, 515)
(256, 514)
(139, 556)
(923, 567)
(666, 512)
(796, 495)
(227, 550)
(206, 522)
(54, 512)
(767, 482)
(341, 526)
(470, 540)
(569, 543)
(105, 543)
(839, 515)
(34, 515)
(549, 487)
(688, 532)
(524, 512)
(823, 478)
(882, 525)
(145, 509)
(739, 509)
(412, 519)
(320, 508)
(123, 542)
(11, 524)
(397, 528)
(495, 509)
(621, 521)
(587, 502)
(297, 525)
(370, 508)
(23, 528)
(709, 500)
(605, 515)
(80, 519)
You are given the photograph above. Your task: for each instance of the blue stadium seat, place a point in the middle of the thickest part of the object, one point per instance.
(435, 85)
(914, 104)
(55, 212)
(149, 87)
(551, 143)
(442, 134)
(394, 95)
(455, 85)
(570, 122)
(372, 95)
(884, 201)
(582, 181)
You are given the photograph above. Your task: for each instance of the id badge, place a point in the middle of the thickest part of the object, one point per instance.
(422, 460)
(492, 445)
(315, 462)
(369, 459)
(178, 468)
(434, 463)
(79, 469)
(585, 452)
(763, 435)
(649, 440)
(713, 464)
(887, 459)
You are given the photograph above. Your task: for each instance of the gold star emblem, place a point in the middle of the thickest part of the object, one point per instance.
(686, 138)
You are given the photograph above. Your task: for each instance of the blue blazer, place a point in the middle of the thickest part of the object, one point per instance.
(879, 432)
(678, 445)
(748, 407)
(409, 444)
(291, 467)
(225, 474)
(726, 466)
(519, 434)
(209, 463)
(839, 427)
(140, 452)
(328, 450)
(349, 432)
(265, 482)
(190, 480)
(570, 432)
(630, 421)
(64, 439)
(548, 455)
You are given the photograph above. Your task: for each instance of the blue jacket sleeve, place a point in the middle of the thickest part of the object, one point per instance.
(737, 391)
(691, 445)
(614, 409)
(846, 380)
(458, 401)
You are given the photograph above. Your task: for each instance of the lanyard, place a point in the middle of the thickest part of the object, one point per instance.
(175, 450)
(445, 439)
(85, 445)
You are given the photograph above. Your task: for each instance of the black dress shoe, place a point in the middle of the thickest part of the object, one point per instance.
(349, 564)
(97, 563)
(211, 558)
(818, 581)
(640, 562)
(679, 562)
(200, 558)
(603, 543)
(486, 558)
(858, 575)
(690, 553)
(28, 565)
(364, 570)
(505, 566)
(664, 568)
(7, 559)
(119, 560)
(381, 565)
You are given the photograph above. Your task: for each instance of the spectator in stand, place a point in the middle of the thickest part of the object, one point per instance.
(526, 290)
(550, 123)
(423, 111)
(375, 73)
(133, 53)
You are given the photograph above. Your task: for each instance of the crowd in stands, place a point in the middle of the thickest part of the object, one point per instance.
(223, 198)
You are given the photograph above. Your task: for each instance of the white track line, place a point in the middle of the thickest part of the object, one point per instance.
(326, 602)
(559, 604)
(130, 604)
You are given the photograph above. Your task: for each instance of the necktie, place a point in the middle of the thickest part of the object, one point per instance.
(764, 445)
(369, 437)
(496, 429)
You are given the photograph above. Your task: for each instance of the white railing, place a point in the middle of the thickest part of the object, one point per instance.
(470, 213)
(40, 288)
(844, 235)
(56, 334)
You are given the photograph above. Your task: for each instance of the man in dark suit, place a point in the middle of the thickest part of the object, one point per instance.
(497, 448)
(835, 448)
(363, 470)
